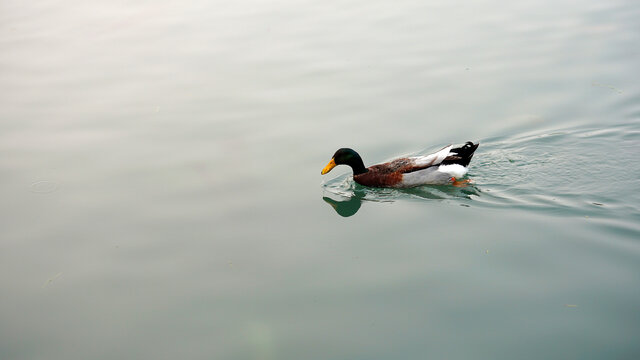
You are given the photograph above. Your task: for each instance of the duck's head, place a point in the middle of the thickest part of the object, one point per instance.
(346, 156)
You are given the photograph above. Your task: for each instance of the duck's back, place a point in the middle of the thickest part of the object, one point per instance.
(441, 167)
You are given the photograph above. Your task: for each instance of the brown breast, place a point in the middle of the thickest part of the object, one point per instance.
(376, 178)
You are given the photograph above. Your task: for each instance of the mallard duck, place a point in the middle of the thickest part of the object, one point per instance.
(444, 166)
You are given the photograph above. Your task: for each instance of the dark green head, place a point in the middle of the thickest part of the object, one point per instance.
(346, 156)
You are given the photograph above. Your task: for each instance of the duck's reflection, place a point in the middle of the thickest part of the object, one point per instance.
(348, 205)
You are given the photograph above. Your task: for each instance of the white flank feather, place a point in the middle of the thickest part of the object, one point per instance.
(455, 170)
(430, 175)
(433, 175)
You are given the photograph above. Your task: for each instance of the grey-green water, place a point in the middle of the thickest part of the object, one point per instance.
(162, 198)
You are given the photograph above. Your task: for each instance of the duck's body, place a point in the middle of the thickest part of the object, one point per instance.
(439, 168)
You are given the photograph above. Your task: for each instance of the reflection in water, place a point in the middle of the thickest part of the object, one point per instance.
(346, 197)
(345, 208)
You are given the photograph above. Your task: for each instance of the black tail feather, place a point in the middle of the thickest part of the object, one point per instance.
(463, 154)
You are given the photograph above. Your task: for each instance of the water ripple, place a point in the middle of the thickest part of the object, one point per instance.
(582, 171)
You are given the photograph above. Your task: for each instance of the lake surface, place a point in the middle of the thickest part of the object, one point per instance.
(162, 197)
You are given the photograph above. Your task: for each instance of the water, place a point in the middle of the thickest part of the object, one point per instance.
(162, 197)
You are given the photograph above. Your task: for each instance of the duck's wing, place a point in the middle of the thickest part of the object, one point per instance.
(432, 159)
(442, 166)
(445, 156)
(414, 163)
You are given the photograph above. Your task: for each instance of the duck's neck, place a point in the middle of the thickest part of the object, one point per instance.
(358, 166)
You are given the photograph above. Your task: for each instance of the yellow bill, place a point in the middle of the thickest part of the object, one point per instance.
(329, 166)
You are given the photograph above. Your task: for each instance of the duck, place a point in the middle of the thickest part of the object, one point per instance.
(442, 167)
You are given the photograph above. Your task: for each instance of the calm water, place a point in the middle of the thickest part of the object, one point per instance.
(162, 197)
